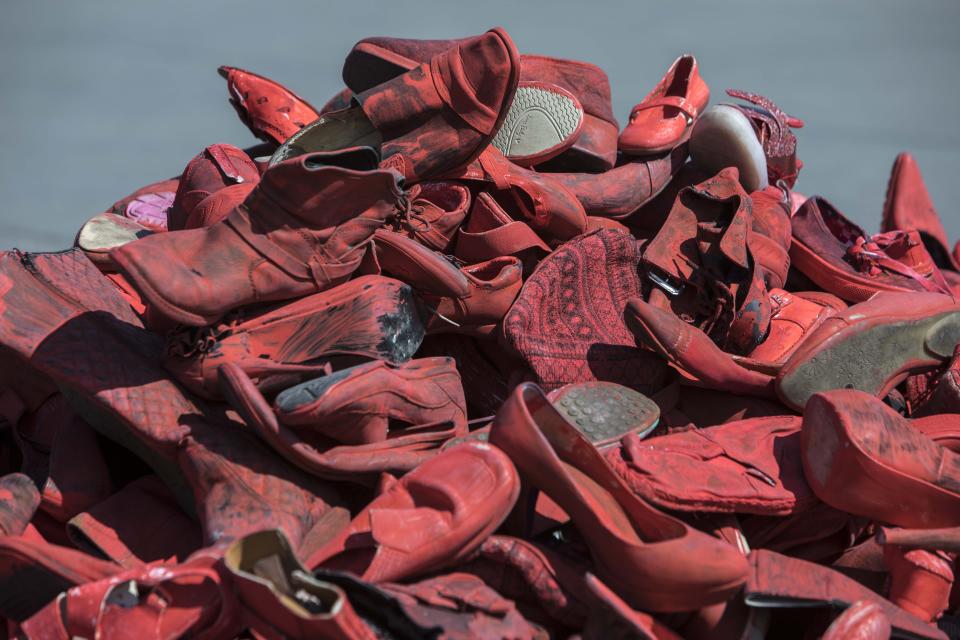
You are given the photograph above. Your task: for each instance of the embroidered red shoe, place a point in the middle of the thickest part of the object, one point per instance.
(214, 169)
(303, 229)
(376, 60)
(433, 119)
(652, 560)
(434, 516)
(370, 317)
(872, 346)
(664, 118)
(358, 404)
(272, 112)
(861, 456)
(567, 323)
(838, 256)
(280, 595)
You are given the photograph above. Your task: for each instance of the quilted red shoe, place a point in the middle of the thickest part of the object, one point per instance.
(872, 346)
(567, 323)
(358, 404)
(19, 500)
(433, 119)
(664, 118)
(433, 517)
(303, 229)
(780, 581)
(373, 61)
(838, 256)
(862, 619)
(470, 300)
(214, 169)
(370, 317)
(400, 452)
(702, 266)
(861, 456)
(908, 207)
(281, 596)
(435, 214)
(651, 559)
(272, 112)
(33, 573)
(920, 580)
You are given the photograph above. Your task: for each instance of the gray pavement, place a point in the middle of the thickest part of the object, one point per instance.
(99, 98)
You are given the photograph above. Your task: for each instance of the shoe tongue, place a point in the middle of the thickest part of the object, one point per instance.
(271, 568)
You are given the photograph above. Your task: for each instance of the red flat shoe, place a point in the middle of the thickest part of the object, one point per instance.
(664, 118)
(652, 560)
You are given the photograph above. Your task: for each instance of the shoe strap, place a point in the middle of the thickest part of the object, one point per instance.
(677, 102)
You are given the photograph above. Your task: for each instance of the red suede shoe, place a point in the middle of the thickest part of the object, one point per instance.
(863, 619)
(370, 317)
(217, 167)
(272, 112)
(280, 596)
(664, 118)
(434, 119)
(861, 456)
(920, 580)
(373, 61)
(357, 405)
(654, 561)
(400, 452)
(567, 323)
(872, 346)
(303, 229)
(839, 256)
(433, 517)
(19, 500)
(771, 238)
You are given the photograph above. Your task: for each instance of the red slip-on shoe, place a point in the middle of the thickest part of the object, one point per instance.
(105, 232)
(154, 602)
(908, 207)
(272, 112)
(490, 233)
(161, 530)
(401, 452)
(605, 412)
(32, 573)
(373, 61)
(367, 318)
(664, 118)
(838, 256)
(872, 346)
(19, 500)
(861, 456)
(217, 167)
(863, 619)
(749, 466)
(567, 323)
(434, 119)
(303, 229)
(433, 517)
(651, 559)
(282, 597)
(356, 405)
(472, 299)
(778, 581)
(920, 580)
(435, 214)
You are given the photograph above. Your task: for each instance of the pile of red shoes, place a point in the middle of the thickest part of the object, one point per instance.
(454, 356)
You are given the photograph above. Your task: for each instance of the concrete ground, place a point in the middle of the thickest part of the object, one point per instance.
(99, 98)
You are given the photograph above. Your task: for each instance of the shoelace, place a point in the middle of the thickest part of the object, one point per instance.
(189, 341)
(870, 257)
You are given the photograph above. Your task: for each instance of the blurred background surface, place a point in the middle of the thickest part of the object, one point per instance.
(100, 98)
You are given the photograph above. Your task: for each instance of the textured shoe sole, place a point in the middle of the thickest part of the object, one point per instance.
(605, 412)
(723, 137)
(542, 122)
(867, 359)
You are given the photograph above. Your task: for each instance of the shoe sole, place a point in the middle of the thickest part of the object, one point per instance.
(542, 122)
(723, 137)
(605, 412)
(868, 359)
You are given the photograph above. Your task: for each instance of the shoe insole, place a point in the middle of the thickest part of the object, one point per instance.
(332, 132)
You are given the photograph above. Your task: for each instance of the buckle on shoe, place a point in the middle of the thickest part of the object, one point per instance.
(664, 283)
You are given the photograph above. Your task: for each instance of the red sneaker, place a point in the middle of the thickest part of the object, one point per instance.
(862, 457)
(272, 112)
(664, 118)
